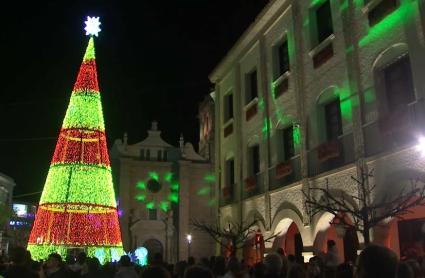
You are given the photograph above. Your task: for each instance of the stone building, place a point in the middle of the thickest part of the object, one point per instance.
(161, 188)
(312, 92)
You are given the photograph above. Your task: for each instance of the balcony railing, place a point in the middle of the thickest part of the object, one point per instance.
(397, 129)
(285, 173)
(331, 155)
(227, 195)
(253, 185)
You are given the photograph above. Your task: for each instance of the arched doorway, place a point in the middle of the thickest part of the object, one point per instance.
(404, 236)
(346, 240)
(154, 247)
(289, 239)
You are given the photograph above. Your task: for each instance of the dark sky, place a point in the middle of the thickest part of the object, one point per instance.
(153, 61)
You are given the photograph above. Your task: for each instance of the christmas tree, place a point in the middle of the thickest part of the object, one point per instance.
(77, 208)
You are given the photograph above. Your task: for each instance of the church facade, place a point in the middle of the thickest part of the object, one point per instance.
(312, 93)
(161, 189)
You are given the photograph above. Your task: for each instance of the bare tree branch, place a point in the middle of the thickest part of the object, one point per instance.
(367, 214)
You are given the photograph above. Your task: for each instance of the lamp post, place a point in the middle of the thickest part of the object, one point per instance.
(421, 145)
(189, 241)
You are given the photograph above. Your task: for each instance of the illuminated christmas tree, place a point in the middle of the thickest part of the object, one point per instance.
(77, 208)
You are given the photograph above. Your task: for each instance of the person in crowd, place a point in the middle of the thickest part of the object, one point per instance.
(179, 269)
(205, 262)
(54, 267)
(125, 268)
(93, 269)
(20, 264)
(376, 261)
(405, 271)
(196, 271)
(416, 268)
(155, 271)
(219, 267)
(191, 261)
(80, 266)
(313, 268)
(234, 268)
(296, 271)
(344, 270)
(273, 266)
(257, 271)
(331, 257)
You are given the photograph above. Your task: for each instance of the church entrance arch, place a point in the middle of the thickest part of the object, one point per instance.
(154, 247)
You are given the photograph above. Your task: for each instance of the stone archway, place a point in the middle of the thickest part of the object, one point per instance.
(347, 242)
(154, 247)
(289, 239)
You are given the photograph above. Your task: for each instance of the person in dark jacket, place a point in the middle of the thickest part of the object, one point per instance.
(54, 267)
(20, 264)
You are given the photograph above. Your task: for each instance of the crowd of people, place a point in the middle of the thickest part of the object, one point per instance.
(374, 261)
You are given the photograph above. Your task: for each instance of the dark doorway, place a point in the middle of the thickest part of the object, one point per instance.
(351, 245)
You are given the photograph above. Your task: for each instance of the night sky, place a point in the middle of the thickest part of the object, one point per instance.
(153, 62)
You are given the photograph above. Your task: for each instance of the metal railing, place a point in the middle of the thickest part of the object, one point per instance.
(253, 185)
(227, 194)
(331, 155)
(396, 129)
(285, 173)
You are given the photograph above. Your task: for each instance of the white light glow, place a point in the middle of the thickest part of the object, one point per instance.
(92, 26)
(189, 238)
(421, 145)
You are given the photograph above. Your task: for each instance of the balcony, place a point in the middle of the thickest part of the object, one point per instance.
(331, 155)
(285, 173)
(227, 194)
(253, 185)
(398, 129)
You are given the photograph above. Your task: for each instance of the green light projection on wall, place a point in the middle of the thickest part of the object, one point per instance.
(207, 189)
(141, 185)
(369, 96)
(154, 175)
(403, 14)
(210, 178)
(173, 197)
(296, 135)
(151, 198)
(150, 205)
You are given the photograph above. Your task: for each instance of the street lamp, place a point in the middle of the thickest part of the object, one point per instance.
(421, 145)
(189, 241)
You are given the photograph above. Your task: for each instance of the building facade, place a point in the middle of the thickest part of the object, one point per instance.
(313, 92)
(6, 192)
(161, 188)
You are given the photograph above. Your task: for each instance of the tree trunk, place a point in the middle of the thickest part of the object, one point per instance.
(366, 235)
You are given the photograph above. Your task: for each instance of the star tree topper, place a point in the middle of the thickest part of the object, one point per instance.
(92, 26)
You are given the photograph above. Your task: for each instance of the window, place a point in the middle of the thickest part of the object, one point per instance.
(254, 153)
(158, 155)
(148, 154)
(283, 58)
(152, 214)
(252, 86)
(333, 120)
(165, 157)
(142, 154)
(230, 172)
(288, 143)
(324, 21)
(399, 84)
(228, 107)
(381, 10)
